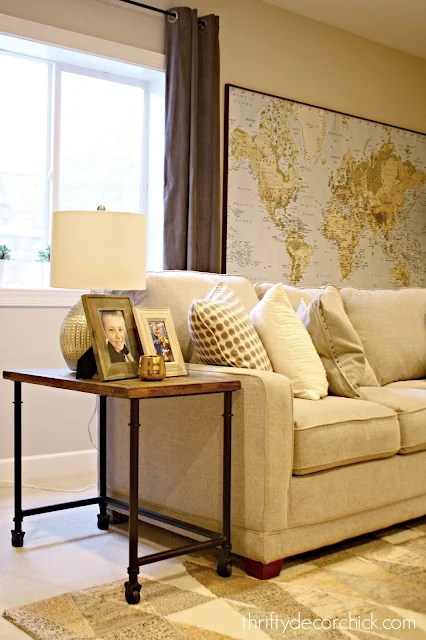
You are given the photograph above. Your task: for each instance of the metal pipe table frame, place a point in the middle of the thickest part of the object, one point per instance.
(132, 586)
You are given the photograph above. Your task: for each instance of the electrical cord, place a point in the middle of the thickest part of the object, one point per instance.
(90, 422)
(33, 486)
(6, 483)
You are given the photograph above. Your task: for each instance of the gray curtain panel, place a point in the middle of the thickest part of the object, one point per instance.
(191, 189)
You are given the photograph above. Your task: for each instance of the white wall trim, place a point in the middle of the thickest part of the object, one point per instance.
(82, 42)
(50, 465)
(39, 297)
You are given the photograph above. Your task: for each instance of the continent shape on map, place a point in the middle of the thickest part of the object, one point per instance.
(313, 126)
(271, 147)
(315, 196)
(370, 193)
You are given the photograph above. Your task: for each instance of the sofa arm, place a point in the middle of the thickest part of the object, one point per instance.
(181, 451)
(263, 443)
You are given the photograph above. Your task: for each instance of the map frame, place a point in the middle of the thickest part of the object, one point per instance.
(399, 276)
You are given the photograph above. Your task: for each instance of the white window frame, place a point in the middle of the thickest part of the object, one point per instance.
(12, 26)
(54, 168)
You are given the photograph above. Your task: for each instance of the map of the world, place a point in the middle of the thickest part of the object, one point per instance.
(315, 196)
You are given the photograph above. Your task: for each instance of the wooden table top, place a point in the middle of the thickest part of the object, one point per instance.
(130, 388)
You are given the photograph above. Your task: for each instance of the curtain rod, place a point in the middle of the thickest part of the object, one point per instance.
(146, 6)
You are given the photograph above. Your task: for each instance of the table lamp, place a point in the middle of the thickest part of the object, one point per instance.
(94, 250)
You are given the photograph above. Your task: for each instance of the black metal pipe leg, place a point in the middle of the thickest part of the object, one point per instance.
(132, 586)
(103, 517)
(17, 533)
(224, 567)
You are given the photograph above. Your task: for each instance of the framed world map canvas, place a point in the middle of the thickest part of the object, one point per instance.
(313, 196)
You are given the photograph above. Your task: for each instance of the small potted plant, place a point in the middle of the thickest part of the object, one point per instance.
(5, 255)
(44, 258)
(44, 254)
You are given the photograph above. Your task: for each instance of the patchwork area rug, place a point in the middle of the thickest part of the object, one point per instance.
(377, 584)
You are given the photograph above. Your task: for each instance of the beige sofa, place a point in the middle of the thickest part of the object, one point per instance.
(305, 473)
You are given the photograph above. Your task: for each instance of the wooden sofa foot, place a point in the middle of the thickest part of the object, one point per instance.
(263, 571)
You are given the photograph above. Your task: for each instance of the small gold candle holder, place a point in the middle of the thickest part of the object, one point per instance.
(152, 368)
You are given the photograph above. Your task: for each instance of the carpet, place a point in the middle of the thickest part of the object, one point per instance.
(357, 589)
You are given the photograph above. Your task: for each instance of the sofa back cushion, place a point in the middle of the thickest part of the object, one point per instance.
(392, 327)
(177, 289)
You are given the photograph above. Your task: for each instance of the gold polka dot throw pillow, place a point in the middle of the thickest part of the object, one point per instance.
(223, 334)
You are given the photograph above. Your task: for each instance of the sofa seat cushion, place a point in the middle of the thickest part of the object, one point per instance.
(335, 431)
(406, 384)
(410, 407)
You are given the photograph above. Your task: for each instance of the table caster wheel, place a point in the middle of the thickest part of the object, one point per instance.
(103, 521)
(17, 538)
(132, 592)
(224, 569)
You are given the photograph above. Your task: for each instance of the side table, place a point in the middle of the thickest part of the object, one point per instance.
(133, 390)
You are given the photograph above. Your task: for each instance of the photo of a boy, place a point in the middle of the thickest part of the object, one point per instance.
(116, 337)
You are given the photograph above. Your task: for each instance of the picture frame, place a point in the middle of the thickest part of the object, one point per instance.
(316, 196)
(114, 335)
(158, 337)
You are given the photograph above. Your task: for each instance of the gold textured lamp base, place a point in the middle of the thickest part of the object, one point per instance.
(75, 336)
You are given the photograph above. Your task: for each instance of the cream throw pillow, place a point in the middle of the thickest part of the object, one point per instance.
(369, 379)
(294, 294)
(289, 345)
(336, 342)
(222, 332)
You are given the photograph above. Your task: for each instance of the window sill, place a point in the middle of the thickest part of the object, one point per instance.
(10, 297)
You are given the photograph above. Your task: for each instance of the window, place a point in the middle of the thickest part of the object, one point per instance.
(76, 131)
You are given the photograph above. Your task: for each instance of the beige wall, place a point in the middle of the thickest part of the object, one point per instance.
(54, 420)
(267, 49)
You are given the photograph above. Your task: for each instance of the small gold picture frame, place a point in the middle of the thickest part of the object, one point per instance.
(158, 337)
(114, 335)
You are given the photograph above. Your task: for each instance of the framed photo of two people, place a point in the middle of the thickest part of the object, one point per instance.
(158, 337)
(122, 333)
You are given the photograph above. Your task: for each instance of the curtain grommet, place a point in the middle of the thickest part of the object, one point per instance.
(174, 18)
(202, 24)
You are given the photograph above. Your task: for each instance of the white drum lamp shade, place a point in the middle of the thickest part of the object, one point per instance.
(100, 250)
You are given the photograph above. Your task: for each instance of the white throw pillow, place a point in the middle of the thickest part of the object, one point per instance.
(288, 344)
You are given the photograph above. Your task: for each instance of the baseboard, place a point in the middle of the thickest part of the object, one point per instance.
(54, 464)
